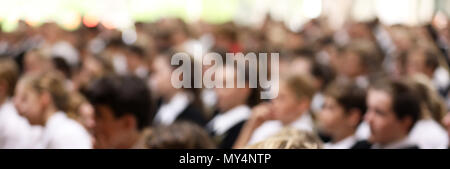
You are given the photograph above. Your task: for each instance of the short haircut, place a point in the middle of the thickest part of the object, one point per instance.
(124, 95)
(431, 56)
(9, 73)
(405, 100)
(348, 95)
(301, 86)
(368, 52)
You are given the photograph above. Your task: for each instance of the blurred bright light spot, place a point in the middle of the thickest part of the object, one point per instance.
(108, 25)
(312, 8)
(90, 21)
(71, 20)
(393, 11)
(122, 14)
(9, 25)
(129, 36)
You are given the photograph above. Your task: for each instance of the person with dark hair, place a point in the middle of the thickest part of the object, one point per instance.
(179, 135)
(122, 110)
(342, 112)
(393, 108)
(136, 58)
(234, 106)
(175, 104)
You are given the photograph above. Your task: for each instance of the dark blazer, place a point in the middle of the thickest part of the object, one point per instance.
(191, 114)
(226, 140)
(364, 144)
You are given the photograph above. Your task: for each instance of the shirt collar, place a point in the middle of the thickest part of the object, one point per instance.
(168, 112)
(343, 144)
(224, 121)
(304, 122)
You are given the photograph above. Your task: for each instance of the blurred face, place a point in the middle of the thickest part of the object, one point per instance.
(332, 118)
(228, 98)
(352, 64)
(91, 68)
(109, 131)
(161, 77)
(385, 127)
(28, 104)
(86, 116)
(31, 63)
(415, 63)
(446, 122)
(286, 106)
(300, 66)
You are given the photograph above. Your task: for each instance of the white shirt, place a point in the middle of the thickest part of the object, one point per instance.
(15, 131)
(428, 134)
(61, 132)
(224, 121)
(269, 128)
(346, 143)
(168, 112)
(363, 131)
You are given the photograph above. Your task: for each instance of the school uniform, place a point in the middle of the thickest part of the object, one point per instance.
(226, 127)
(402, 144)
(179, 108)
(426, 133)
(346, 143)
(61, 132)
(15, 130)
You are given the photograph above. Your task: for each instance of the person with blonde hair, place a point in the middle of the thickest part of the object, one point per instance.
(290, 108)
(42, 98)
(15, 131)
(428, 132)
(289, 138)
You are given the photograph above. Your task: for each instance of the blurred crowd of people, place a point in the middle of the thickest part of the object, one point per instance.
(366, 85)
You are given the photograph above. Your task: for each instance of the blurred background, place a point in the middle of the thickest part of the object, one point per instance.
(121, 14)
(88, 42)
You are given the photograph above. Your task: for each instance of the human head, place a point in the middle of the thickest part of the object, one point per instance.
(343, 110)
(393, 109)
(229, 98)
(294, 98)
(122, 108)
(38, 95)
(36, 60)
(359, 58)
(160, 79)
(423, 61)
